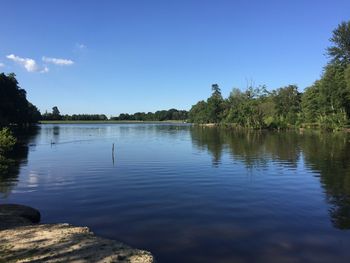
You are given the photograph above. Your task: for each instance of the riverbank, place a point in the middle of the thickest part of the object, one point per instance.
(110, 122)
(301, 127)
(23, 239)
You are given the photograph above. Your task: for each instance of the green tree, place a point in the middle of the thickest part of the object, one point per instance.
(249, 109)
(7, 141)
(310, 103)
(236, 107)
(334, 93)
(215, 105)
(198, 113)
(287, 102)
(56, 113)
(327, 102)
(340, 51)
(347, 77)
(15, 109)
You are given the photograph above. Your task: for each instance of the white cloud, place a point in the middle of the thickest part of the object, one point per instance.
(58, 61)
(2, 65)
(44, 70)
(80, 46)
(29, 64)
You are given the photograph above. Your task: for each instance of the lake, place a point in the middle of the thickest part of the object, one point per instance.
(192, 194)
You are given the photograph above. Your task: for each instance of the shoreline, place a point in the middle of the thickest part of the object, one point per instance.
(301, 128)
(114, 122)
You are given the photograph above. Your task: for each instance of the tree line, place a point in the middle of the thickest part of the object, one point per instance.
(55, 116)
(161, 115)
(324, 104)
(16, 110)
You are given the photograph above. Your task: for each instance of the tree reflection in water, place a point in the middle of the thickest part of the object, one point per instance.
(327, 154)
(18, 157)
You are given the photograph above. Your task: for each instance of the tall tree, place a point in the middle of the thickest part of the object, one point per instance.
(334, 93)
(340, 51)
(215, 104)
(287, 102)
(56, 113)
(198, 113)
(310, 103)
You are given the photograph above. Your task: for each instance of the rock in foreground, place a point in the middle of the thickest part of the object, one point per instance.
(12, 215)
(22, 239)
(64, 243)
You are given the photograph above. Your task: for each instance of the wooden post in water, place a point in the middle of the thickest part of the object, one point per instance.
(113, 153)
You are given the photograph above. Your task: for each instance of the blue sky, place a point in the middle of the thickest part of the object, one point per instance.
(128, 56)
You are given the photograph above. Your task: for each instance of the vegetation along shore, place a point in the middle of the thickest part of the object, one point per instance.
(325, 104)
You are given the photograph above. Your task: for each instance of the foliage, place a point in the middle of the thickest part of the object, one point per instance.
(15, 109)
(56, 113)
(56, 116)
(215, 105)
(85, 117)
(325, 104)
(162, 115)
(7, 141)
(333, 121)
(327, 101)
(287, 103)
(198, 113)
(340, 51)
(254, 108)
(247, 109)
(334, 93)
(310, 103)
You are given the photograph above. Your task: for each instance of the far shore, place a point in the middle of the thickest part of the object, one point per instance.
(303, 127)
(108, 122)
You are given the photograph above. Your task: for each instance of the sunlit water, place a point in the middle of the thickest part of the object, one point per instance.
(193, 194)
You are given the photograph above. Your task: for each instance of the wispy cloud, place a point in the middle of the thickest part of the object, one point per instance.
(32, 66)
(45, 70)
(80, 46)
(58, 61)
(28, 63)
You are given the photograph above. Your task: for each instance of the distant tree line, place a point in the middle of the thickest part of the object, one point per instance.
(85, 117)
(325, 104)
(55, 116)
(162, 115)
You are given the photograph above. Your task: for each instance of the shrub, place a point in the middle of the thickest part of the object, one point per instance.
(7, 141)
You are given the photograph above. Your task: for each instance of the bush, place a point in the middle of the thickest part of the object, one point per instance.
(333, 122)
(7, 141)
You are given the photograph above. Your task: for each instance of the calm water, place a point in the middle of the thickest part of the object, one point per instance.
(193, 194)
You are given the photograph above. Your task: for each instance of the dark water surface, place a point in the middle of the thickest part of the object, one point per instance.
(193, 194)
